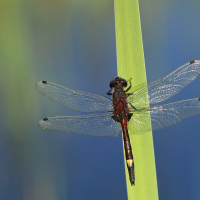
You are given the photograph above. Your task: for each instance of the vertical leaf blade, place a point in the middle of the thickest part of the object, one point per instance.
(131, 64)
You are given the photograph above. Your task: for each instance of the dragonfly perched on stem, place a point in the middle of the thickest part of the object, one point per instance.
(125, 110)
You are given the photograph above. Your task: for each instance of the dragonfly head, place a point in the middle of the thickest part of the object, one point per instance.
(118, 82)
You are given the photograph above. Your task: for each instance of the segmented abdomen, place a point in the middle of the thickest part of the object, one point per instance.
(122, 115)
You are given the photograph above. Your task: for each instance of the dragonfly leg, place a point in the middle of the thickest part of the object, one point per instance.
(132, 106)
(109, 92)
(128, 94)
(129, 86)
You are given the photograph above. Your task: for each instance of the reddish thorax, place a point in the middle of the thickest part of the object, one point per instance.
(120, 106)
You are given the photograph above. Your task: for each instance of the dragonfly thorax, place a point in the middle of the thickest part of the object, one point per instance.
(120, 106)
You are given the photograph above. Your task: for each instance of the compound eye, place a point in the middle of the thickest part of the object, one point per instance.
(124, 83)
(113, 84)
(118, 80)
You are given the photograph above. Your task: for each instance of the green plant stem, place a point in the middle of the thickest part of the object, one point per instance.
(130, 64)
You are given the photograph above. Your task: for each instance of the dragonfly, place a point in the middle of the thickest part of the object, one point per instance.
(124, 111)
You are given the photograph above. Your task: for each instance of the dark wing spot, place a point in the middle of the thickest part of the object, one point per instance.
(45, 82)
(45, 119)
(199, 99)
(191, 62)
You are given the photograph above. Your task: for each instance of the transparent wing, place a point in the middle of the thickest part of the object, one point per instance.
(169, 114)
(166, 87)
(140, 122)
(100, 124)
(163, 116)
(74, 99)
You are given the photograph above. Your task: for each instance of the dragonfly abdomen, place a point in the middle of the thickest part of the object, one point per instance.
(128, 150)
(122, 116)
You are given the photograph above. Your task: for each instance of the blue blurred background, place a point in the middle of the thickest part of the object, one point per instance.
(72, 43)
